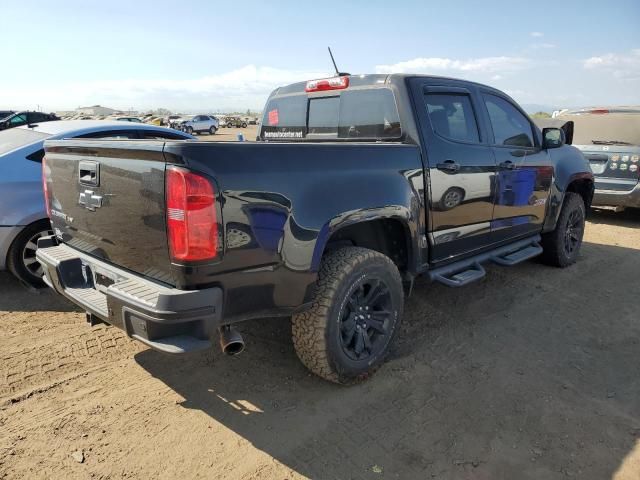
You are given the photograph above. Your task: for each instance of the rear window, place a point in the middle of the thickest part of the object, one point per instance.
(590, 129)
(366, 114)
(13, 138)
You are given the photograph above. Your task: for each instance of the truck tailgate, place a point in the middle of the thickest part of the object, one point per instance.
(107, 199)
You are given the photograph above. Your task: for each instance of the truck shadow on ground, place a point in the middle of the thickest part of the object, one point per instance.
(530, 373)
(630, 217)
(15, 297)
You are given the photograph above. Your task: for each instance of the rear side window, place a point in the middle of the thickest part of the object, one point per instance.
(510, 126)
(452, 116)
(154, 135)
(366, 114)
(112, 135)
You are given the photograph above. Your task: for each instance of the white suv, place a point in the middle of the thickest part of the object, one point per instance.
(200, 123)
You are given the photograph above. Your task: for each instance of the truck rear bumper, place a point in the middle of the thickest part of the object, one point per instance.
(613, 198)
(164, 318)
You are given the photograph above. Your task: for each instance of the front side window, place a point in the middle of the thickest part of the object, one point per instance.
(510, 126)
(452, 116)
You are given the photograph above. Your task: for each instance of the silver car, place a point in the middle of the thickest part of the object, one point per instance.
(201, 124)
(23, 218)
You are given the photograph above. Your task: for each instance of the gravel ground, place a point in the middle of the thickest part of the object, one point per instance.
(531, 373)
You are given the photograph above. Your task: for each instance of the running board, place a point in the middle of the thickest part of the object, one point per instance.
(518, 256)
(464, 272)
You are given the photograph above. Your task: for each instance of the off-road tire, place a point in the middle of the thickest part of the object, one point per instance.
(15, 260)
(316, 332)
(553, 243)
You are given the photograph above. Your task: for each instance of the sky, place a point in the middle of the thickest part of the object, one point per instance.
(223, 56)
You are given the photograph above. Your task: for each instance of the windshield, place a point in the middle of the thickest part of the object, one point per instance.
(605, 129)
(359, 114)
(18, 137)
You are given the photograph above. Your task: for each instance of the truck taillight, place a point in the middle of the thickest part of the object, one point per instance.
(334, 83)
(192, 224)
(45, 188)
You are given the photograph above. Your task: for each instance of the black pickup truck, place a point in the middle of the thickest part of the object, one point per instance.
(356, 185)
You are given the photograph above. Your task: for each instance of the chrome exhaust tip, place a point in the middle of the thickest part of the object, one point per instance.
(231, 341)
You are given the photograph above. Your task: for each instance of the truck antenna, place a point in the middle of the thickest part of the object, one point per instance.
(338, 72)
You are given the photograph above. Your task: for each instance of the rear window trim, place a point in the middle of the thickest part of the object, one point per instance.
(331, 94)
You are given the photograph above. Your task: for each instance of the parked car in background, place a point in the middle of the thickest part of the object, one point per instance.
(18, 119)
(200, 124)
(5, 113)
(609, 137)
(236, 122)
(174, 121)
(170, 120)
(23, 217)
(129, 119)
(158, 121)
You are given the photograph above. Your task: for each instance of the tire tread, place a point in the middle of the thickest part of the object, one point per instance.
(309, 327)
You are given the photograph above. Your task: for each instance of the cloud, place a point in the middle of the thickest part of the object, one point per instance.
(485, 65)
(537, 34)
(622, 66)
(245, 87)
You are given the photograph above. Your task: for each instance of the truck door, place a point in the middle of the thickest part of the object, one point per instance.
(460, 167)
(524, 172)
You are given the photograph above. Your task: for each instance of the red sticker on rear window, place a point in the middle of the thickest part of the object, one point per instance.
(273, 117)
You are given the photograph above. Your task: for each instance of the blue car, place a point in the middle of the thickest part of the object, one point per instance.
(23, 218)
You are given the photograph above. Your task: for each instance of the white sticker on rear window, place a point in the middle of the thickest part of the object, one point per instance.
(283, 134)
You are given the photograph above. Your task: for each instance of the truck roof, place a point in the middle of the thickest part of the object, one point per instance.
(373, 79)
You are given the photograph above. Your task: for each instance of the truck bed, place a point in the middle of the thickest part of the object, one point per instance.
(279, 204)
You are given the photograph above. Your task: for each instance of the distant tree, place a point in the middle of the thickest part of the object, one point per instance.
(541, 115)
(162, 112)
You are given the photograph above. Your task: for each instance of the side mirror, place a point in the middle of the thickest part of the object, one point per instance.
(553, 137)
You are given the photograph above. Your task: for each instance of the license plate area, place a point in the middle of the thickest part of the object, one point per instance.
(103, 279)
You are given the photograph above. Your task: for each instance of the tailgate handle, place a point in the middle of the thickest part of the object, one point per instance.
(89, 173)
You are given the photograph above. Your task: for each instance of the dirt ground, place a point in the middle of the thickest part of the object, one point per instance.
(532, 373)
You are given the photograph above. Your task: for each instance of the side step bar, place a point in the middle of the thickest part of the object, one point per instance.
(464, 272)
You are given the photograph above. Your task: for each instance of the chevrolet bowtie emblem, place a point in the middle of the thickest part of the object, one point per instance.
(89, 200)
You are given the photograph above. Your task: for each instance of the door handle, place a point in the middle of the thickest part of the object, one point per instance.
(508, 165)
(448, 166)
